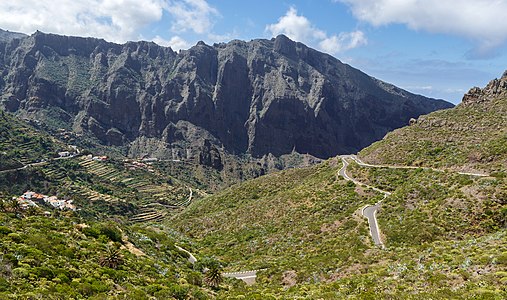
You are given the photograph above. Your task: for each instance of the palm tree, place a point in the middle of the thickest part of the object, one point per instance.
(213, 276)
(13, 206)
(112, 258)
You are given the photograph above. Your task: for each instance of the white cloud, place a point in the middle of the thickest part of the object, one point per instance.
(176, 42)
(113, 20)
(299, 28)
(194, 15)
(296, 27)
(481, 20)
(343, 42)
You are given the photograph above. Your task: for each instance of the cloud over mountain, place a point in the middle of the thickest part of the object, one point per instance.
(113, 20)
(480, 20)
(299, 28)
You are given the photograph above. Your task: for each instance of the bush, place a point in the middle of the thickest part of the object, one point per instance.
(15, 237)
(194, 278)
(20, 273)
(44, 272)
(502, 258)
(111, 232)
(4, 230)
(178, 292)
(91, 231)
(4, 284)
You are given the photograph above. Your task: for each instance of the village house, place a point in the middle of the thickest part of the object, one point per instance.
(29, 199)
(99, 158)
(64, 154)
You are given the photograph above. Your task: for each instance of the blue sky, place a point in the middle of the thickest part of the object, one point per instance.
(431, 47)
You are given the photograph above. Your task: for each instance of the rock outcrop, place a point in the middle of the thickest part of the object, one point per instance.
(494, 89)
(259, 97)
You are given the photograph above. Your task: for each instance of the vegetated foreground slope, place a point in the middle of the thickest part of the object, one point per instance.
(276, 219)
(257, 97)
(445, 233)
(471, 136)
(63, 257)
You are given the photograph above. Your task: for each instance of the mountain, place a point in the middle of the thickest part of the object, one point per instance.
(259, 97)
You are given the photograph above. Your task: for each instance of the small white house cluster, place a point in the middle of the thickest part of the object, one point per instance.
(32, 199)
(97, 158)
(75, 151)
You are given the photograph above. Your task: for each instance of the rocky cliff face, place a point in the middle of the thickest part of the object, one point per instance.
(258, 97)
(495, 88)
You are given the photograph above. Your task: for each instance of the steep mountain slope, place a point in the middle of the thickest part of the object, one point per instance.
(445, 233)
(472, 136)
(258, 97)
(21, 143)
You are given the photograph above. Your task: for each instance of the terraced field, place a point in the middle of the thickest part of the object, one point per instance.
(101, 169)
(24, 148)
(54, 172)
(93, 195)
(156, 211)
(158, 199)
(147, 214)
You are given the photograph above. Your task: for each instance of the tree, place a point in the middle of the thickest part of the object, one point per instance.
(13, 206)
(213, 276)
(212, 269)
(112, 258)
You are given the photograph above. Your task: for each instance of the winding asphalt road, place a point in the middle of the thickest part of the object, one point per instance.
(369, 211)
(343, 173)
(191, 257)
(247, 276)
(361, 163)
(35, 164)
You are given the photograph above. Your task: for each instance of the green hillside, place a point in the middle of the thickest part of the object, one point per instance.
(292, 218)
(111, 247)
(472, 136)
(445, 233)
(304, 228)
(21, 143)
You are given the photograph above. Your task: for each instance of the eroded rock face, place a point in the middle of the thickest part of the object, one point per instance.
(494, 89)
(263, 96)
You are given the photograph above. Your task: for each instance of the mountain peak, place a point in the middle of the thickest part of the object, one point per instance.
(285, 46)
